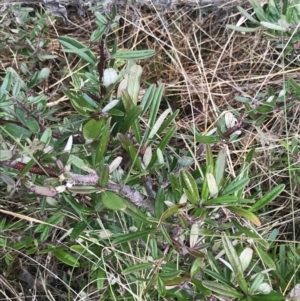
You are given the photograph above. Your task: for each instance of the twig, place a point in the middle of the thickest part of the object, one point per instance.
(133, 195)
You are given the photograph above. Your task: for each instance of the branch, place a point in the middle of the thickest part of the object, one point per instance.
(133, 195)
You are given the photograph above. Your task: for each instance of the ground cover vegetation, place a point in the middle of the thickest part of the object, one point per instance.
(148, 155)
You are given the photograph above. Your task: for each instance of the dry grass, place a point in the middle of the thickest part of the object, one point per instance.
(203, 66)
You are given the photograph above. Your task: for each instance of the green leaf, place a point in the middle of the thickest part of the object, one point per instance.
(135, 158)
(251, 234)
(103, 143)
(126, 143)
(130, 118)
(246, 214)
(147, 99)
(155, 106)
(77, 207)
(74, 46)
(209, 156)
(171, 211)
(26, 168)
(100, 18)
(196, 266)
(16, 131)
(159, 204)
(66, 258)
(128, 146)
(191, 186)
(273, 26)
(89, 100)
(250, 155)
(21, 115)
(207, 139)
(167, 122)
(137, 268)
(160, 287)
(269, 197)
(176, 281)
(78, 229)
(134, 55)
(167, 137)
(212, 185)
(33, 125)
(153, 247)
(46, 136)
(135, 213)
(235, 263)
(235, 186)
(97, 34)
(217, 275)
(272, 296)
(103, 175)
(134, 78)
(162, 144)
(79, 103)
(127, 101)
(266, 259)
(83, 189)
(295, 85)
(220, 166)
(256, 283)
(200, 287)
(264, 109)
(242, 99)
(112, 201)
(247, 15)
(158, 123)
(226, 199)
(222, 289)
(101, 276)
(121, 238)
(6, 84)
(246, 257)
(33, 81)
(92, 129)
(204, 188)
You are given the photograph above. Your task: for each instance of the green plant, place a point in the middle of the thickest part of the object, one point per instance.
(118, 200)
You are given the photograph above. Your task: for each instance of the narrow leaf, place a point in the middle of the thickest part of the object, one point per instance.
(269, 197)
(118, 239)
(158, 123)
(235, 186)
(191, 185)
(72, 45)
(130, 118)
(103, 175)
(226, 199)
(66, 258)
(273, 26)
(134, 55)
(112, 201)
(137, 268)
(220, 166)
(134, 79)
(235, 263)
(92, 129)
(222, 289)
(246, 214)
(212, 185)
(102, 146)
